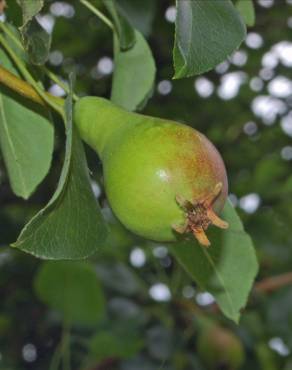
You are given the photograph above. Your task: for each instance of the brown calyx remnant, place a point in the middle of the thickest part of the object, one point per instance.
(199, 215)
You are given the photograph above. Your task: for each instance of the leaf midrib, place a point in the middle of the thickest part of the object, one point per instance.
(211, 262)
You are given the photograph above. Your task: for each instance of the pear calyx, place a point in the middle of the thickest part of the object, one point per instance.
(200, 215)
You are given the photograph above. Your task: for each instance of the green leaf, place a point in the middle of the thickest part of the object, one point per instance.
(14, 13)
(134, 74)
(140, 14)
(36, 41)
(71, 225)
(30, 8)
(26, 138)
(207, 32)
(107, 344)
(124, 30)
(73, 289)
(227, 268)
(247, 11)
(20, 52)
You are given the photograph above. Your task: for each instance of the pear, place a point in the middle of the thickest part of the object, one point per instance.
(220, 348)
(162, 178)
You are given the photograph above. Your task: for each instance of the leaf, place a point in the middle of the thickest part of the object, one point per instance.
(247, 11)
(227, 269)
(105, 344)
(123, 28)
(30, 8)
(20, 52)
(140, 14)
(73, 289)
(71, 225)
(134, 74)
(26, 138)
(36, 41)
(13, 13)
(207, 32)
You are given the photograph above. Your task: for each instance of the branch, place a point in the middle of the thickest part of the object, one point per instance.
(23, 88)
(273, 283)
(54, 102)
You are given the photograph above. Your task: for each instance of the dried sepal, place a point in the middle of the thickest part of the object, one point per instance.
(200, 215)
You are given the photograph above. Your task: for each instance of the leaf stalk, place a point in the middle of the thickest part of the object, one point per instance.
(98, 13)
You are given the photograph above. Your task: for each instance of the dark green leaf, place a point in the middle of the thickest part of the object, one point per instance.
(227, 269)
(73, 289)
(139, 13)
(71, 225)
(26, 138)
(207, 32)
(247, 11)
(36, 41)
(124, 30)
(30, 8)
(129, 92)
(14, 13)
(107, 344)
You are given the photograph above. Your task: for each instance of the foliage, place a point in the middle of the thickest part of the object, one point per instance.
(221, 31)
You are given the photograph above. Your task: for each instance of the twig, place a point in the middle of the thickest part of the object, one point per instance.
(273, 283)
(55, 104)
(98, 13)
(56, 79)
(21, 87)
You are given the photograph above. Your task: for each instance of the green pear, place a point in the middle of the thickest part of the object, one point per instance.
(162, 178)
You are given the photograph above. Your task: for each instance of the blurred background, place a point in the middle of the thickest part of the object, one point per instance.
(133, 307)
